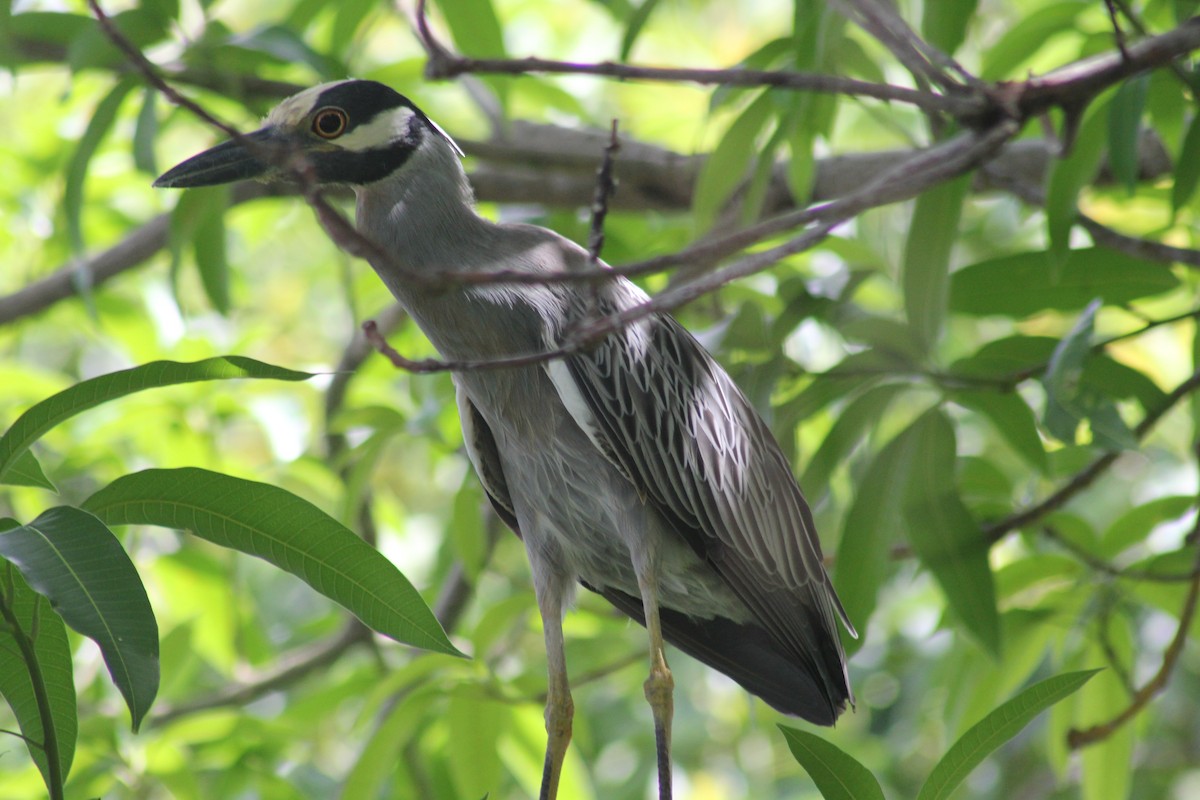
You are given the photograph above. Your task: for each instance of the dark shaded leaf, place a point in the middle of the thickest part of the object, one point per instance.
(1026, 283)
(1187, 167)
(1124, 129)
(995, 729)
(53, 653)
(1070, 174)
(70, 557)
(283, 529)
(836, 773)
(90, 393)
(145, 133)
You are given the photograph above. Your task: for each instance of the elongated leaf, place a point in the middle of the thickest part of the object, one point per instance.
(945, 536)
(1027, 283)
(633, 28)
(874, 523)
(1069, 175)
(1187, 167)
(102, 120)
(70, 557)
(1124, 127)
(853, 423)
(1132, 527)
(944, 24)
(91, 393)
(725, 169)
(283, 529)
(145, 134)
(926, 270)
(209, 246)
(1027, 37)
(995, 729)
(53, 654)
(836, 773)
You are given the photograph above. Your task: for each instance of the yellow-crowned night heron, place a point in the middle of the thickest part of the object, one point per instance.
(635, 467)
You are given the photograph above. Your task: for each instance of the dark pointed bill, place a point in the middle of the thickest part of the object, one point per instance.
(225, 163)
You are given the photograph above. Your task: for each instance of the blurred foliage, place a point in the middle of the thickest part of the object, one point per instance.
(935, 368)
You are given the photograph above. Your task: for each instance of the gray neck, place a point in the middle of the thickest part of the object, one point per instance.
(424, 216)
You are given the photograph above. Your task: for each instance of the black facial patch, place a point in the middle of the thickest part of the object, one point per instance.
(360, 167)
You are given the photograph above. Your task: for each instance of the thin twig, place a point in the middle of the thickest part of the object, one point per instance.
(605, 187)
(1077, 738)
(445, 64)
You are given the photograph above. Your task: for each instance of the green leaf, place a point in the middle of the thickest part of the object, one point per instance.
(102, 120)
(26, 471)
(854, 422)
(1069, 401)
(1011, 417)
(1069, 175)
(30, 426)
(836, 773)
(91, 47)
(476, 724)
(926, 268)
(1107, 766)
(146, 133)
(1026, 283)
(946, 538)
(283, 529)
(1124, 129)
(725, 169)
(52, 651)
(873, 524)
(209, 247)
(944, 24)
(70, 557)
(284, 45)
(634, 27)
(995, 729)
(1132, 527)
(1024, 39)
(1187, 167)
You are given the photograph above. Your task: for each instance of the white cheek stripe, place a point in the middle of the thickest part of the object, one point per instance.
(379, 132)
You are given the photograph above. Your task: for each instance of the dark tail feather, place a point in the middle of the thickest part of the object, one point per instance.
(745, 653)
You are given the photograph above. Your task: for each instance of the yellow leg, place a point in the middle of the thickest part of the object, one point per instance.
(660, 686)
(560, 709)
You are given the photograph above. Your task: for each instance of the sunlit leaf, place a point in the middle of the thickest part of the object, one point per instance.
(633, 28)
(1029, 35)
(30, 426)
(26, 471)
(283, 529)
(836, 773)
(70, 557)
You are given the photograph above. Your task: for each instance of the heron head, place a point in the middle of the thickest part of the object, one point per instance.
(350, 132)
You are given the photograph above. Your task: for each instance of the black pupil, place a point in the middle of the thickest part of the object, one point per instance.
(329, 123)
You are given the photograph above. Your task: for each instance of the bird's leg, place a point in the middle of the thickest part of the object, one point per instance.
(660, 686)
(559, 707)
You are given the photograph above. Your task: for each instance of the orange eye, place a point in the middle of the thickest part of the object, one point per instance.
(329, 123)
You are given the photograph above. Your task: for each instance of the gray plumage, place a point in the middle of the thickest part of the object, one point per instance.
(635, 467)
